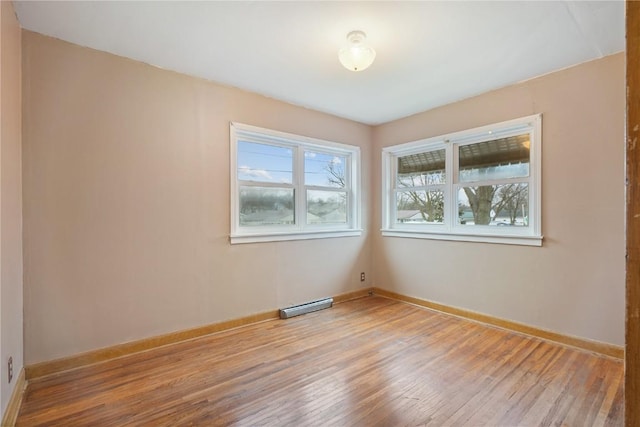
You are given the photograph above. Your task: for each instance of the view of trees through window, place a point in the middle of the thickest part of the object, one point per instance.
(494, 204)
(420, 178)
(492, 184)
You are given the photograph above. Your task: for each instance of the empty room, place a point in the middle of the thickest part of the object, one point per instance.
(256, 213)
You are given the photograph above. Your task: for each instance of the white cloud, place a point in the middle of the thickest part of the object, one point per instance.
(309, 154)
(256, 173)
(336, 160)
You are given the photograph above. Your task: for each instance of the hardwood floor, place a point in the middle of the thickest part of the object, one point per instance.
(366, 362)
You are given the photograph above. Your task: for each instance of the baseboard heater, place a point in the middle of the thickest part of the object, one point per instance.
(297, 310)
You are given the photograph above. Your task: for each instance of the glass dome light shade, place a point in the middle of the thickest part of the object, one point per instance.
(356, 56)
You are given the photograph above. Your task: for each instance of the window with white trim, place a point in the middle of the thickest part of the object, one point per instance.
(289, 187)
(482, 185)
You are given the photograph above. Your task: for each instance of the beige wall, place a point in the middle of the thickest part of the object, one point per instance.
(11, 343)
(574, 284)
(126, 183)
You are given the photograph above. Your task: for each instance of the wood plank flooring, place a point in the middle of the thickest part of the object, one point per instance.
(366, 362)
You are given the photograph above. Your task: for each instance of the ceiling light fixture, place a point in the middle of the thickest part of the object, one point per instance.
(356, 55)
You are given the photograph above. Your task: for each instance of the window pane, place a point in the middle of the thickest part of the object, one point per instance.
(266, 206)
(422, 169)
(425, 207)
(500, 205)
(326, 207)
(264, 163)
(496, 159)
(324, 170)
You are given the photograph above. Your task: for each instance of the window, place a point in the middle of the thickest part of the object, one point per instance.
(288, 187)
(477, 185)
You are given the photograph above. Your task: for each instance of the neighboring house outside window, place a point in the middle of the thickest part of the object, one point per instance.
(482, 184)
(289, 187)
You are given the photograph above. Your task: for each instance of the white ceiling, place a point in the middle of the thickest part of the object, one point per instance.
(428, 53)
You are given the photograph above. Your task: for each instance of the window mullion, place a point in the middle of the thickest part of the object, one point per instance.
(321, 188)
(450, 195)
(300, 192)
(432, 187)
(503, 181)
(348, 189)
(392, 191)
(265, 184)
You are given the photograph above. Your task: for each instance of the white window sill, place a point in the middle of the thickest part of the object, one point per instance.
(460, 237)
(279, 237)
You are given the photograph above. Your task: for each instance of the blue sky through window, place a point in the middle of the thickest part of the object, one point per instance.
(264, 163)
(271, 163)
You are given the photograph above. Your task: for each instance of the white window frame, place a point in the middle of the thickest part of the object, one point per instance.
(450, 229)
(300, 230)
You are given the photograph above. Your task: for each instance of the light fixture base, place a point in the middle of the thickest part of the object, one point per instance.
(356, 36)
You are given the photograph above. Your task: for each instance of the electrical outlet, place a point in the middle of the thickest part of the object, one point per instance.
(10, 368)
(362, 276)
